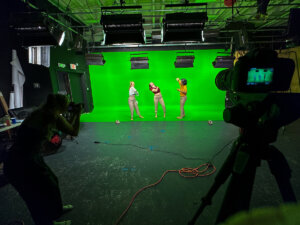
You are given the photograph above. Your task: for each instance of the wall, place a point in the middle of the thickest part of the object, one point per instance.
(67, 57)
(33, 73)
(110, 83)
(5, 52)
(45, 77)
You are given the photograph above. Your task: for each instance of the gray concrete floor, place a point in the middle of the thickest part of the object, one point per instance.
(100, 179)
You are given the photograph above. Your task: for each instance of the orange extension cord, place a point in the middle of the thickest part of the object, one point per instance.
(194, 172)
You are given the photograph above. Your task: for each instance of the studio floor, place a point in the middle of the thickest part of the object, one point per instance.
(100, 179)
(193, 113)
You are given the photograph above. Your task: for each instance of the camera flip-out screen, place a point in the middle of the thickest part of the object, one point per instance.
(260, 76)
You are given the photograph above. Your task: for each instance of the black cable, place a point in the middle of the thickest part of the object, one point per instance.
(172, 153)
(222, 149)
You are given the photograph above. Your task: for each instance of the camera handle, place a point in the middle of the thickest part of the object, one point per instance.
(246, 154)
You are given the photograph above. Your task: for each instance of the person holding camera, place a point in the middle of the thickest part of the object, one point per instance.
(157, 98)
(25, 168)
(183, 92)
(132, 101)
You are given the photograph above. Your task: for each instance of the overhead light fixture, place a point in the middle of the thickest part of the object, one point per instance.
(184, 27)
(184, 61)
(123, 28)
(94, 59)
(62, 38)
(156, 37)
(33, 29)
(139, 63)
(202, 36)
(223, 62)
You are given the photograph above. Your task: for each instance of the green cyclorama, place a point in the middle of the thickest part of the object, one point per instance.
(110, 87)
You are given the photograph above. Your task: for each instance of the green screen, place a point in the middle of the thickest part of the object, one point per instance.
(110, 87)
(260, 76)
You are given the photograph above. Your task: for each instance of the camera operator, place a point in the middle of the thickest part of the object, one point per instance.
(25, 168)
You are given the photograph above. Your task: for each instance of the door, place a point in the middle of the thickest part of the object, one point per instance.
(76, 87)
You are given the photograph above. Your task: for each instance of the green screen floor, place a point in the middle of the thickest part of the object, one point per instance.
(193, 113)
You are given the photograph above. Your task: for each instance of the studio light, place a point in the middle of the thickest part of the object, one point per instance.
(123, 28)
(223, 62)
(139, 63)
(94, 59)
(184, 61)
(62, 38)
(33, 29)
(184, 27)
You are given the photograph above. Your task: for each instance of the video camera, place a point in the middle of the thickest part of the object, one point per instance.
(250, 87)
(259, 71)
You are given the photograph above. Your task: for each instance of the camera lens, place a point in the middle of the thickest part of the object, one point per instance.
(222, 81)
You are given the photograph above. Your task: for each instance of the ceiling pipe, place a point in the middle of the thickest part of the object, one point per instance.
(54, 19)
(178, 44)
(192, 9)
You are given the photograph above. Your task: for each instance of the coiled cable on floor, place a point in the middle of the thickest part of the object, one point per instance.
(207, 170)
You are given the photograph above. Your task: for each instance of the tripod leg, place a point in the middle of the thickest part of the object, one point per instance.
(282, 172)
(220, 179)
(239, 190)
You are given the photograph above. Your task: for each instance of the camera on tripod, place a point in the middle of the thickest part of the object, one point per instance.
(259, 113)
(251, 85)
(259, 71)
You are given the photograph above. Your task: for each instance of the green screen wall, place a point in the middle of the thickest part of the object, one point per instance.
(110, 87)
